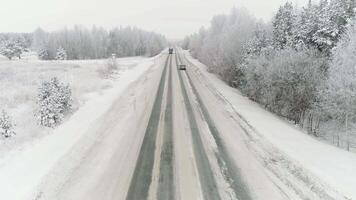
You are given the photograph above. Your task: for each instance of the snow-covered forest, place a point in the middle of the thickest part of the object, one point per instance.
(301, 65)
(82, 43)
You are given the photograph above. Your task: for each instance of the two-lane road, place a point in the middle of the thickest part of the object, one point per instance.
(216, 174)
(169, 138)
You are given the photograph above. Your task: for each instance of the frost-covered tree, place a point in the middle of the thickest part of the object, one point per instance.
(285, 81)
(13, 47)
(6, 125)
(261, 39)
(43, 54)
(305, 26)
(54, 101)
(340, 93)
(82, 43)
(332, 19)
(283, 25)
(222, 46)
(284, 65)
(39, 39)
(7, 49)
(61, 54)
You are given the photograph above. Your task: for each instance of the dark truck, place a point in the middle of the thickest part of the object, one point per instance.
(170, 50)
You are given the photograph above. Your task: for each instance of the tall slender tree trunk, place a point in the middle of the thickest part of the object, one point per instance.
(347, 133)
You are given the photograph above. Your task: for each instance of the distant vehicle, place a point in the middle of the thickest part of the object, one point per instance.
(170, 50)
(182, 67)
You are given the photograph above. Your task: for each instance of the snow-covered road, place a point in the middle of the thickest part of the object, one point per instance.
(164, 133)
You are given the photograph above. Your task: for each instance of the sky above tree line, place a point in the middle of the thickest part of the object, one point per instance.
(172, 18)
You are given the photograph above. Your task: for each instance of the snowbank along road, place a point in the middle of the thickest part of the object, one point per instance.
(172, 137)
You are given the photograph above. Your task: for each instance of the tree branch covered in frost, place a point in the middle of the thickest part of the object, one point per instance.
(81, 43)
(300, 66)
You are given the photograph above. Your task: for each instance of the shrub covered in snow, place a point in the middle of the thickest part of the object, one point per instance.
(285, 81)
(109, 69)
(12, 48)
(43, 54)
(61, 54)
(6, 125)
(54, 101)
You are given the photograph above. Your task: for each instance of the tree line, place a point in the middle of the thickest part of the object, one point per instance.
(301, 65)
(82, 43)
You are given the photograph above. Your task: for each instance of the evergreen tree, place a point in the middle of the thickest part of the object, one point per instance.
(283, 26)
(54, 100)
(13, 47)
(6, 125)
(332, 19)
(305, 27)
(61, 54)
(43, 54)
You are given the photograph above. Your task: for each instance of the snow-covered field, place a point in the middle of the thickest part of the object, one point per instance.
(308, 159)
(20, 79)
(92, 94)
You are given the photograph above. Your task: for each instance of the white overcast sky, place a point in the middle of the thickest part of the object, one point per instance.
(173, 18)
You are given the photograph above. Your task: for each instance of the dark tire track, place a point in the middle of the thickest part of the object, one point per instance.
(206, 175)
(166, 177)
(230, 171)
(142, 176)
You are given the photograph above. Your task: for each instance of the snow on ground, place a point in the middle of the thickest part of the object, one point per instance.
(20, 79)
(30, 155)
(333, 166)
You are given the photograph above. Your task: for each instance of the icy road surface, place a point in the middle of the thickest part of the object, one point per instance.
(171, 136)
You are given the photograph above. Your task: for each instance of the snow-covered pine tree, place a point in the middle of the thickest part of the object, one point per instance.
(12, 47)
(20, 46)
(332, 19)
(54, 101)
(43, 54)
(261, 40)
(61, 54)
(6, 125)
(283, 25)
(7, 49)
(305, 27)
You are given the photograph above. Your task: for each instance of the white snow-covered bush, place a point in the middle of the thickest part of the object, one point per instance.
(285, 81)
(12, 48)
(109, 69)
(54, 101)
(43, 54)
(61, 54)
(6, 125)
